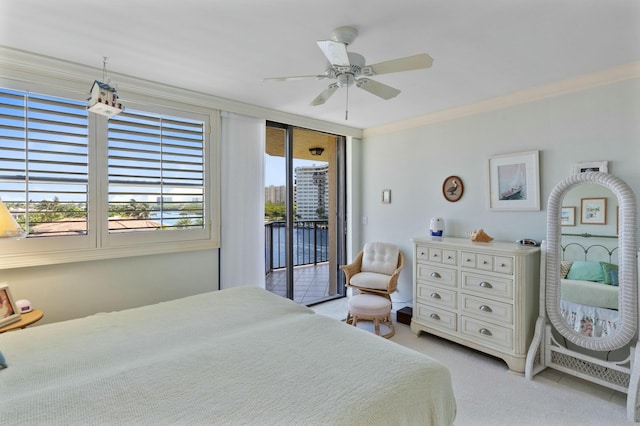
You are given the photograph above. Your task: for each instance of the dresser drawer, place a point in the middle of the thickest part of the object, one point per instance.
(490, 310)
(468, 260)
(504, 265)
(487, 286)
(435, 274)
(449, 257)
(437, 296)
(485, 333)
(435, 254)
(484, 262)
(438, 318)
(422, 253)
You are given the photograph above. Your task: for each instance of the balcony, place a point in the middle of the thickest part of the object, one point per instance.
(310, 260)
(310, 283)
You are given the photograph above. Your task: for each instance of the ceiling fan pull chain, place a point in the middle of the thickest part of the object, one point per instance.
(346, 108)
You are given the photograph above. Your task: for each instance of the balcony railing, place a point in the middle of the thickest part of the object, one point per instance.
(310, 242)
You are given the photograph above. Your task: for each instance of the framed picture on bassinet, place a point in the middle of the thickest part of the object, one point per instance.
(8, 311)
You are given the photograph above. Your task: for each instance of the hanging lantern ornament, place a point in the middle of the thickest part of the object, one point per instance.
(104, 98)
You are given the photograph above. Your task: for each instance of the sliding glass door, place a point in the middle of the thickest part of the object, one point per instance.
(304, 213)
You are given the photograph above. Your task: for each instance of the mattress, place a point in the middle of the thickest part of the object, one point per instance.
(241, 356)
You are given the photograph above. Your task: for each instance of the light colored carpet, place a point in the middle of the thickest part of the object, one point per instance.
(488, 394)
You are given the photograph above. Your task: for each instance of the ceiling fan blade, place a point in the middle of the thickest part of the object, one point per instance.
(378, 89)
(295, 77)
(326, 94)
(335, 52)
(408, 63)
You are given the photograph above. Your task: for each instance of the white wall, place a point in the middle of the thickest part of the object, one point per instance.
(79, 289)
(592, 125)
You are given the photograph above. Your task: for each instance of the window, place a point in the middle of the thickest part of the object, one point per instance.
(156, 173)
(137, 183)
(44, 163)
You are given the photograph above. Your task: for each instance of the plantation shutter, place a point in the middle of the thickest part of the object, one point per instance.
(155, 172)
(44, 162)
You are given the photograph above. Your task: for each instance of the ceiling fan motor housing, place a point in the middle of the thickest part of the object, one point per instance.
(344, 35)
(346, 76)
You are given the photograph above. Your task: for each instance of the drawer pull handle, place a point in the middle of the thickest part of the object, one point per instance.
(485, 332)
(435, 316)
(449, 257)
(502, 265)
(484, 262)
(421, 253)
(435, 255)
(485, 284)
(435, 296)
(468, 260)
(436, 275)
(485, 308)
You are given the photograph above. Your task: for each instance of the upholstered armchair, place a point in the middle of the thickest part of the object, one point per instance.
(375, 270)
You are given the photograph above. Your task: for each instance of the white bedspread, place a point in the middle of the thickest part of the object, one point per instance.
(234, 357)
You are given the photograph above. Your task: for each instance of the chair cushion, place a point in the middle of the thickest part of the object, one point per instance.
(369, 305)
(381, 258)
(370, 280)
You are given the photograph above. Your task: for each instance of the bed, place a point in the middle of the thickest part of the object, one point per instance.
(589, 288)
(236, 356)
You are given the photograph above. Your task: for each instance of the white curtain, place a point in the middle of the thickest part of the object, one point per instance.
(242, 253)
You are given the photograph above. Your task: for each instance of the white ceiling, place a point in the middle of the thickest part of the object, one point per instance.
(481, 49)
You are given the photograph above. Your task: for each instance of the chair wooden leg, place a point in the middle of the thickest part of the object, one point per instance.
(392, 329)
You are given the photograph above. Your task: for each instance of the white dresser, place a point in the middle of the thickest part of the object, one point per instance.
(481, 295)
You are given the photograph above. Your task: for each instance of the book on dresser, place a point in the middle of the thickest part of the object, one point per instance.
(481, 295)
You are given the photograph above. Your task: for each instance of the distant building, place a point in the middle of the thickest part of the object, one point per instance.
(312, 192)
(275, 194)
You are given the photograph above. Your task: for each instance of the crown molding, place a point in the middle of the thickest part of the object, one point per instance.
(575, 84)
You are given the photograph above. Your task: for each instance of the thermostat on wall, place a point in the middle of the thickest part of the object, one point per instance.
(23, 305)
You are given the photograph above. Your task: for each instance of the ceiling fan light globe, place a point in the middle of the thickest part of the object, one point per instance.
(346, 80)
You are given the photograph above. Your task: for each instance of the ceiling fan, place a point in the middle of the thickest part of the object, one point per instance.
(349, 68)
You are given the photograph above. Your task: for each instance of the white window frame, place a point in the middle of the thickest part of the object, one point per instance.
(174, 236)
(98, 243)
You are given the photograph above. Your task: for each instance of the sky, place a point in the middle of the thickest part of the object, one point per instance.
(274, 169)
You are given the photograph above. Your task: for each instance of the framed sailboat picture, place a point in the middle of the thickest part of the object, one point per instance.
(514, 181)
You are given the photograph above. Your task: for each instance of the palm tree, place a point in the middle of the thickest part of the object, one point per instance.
(138, 210)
